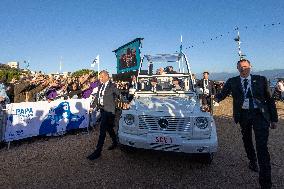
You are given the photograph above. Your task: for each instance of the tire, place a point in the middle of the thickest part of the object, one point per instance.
(127, 149)
(206, 158)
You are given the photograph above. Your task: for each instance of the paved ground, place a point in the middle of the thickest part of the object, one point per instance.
(61, 162)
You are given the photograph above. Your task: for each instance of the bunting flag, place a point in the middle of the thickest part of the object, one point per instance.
(233, 31)
(96, 61)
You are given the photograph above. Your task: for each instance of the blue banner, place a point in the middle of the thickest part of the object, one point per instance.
(29, 119)
(128, 56)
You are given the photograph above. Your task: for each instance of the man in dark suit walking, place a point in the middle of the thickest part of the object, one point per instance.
(208, 89)
(105, 101)
(253, 108)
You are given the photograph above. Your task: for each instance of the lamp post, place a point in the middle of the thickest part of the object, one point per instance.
(238, 40)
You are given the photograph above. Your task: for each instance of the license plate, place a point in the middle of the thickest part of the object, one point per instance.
(163, 139)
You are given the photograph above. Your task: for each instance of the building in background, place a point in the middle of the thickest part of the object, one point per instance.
(58, 75)
(14, 64)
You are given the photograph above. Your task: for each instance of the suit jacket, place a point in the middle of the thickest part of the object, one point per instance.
(260, 91)
(133, 86)
(211, 86)
(110, 96)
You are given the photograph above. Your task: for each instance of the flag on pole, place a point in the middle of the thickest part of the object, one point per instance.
(60, 67)
(180, 47)
(96, 61)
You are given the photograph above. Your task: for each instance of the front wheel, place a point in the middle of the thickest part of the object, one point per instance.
(127, 149)
(206, 158)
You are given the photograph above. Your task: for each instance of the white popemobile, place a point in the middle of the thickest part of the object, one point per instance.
(165, 113)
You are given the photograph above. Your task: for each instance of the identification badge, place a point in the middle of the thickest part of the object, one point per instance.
(101, 101)
(206, 91)
(246, 104)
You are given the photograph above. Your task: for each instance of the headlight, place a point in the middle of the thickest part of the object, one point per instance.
(129, 119)
(201, 122)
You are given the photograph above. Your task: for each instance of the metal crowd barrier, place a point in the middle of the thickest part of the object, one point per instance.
(93, 119)
(3, 122)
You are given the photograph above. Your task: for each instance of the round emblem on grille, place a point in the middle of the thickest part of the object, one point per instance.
(163, 123)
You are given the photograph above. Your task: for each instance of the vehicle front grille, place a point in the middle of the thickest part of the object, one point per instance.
(176, 124)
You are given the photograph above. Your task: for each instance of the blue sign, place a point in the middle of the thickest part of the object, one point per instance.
(29, 119)
(61, 112)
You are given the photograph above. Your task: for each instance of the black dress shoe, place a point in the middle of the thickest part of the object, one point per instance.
(94, 155)
(266, 187)
(253, 166)
(113, 146)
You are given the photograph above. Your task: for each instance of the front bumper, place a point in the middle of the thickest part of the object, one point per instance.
(181, 144)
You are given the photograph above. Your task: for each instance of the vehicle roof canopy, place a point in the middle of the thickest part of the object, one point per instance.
(163, 57)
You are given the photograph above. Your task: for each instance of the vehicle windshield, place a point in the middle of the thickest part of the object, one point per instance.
(165, 72)
(164, 63)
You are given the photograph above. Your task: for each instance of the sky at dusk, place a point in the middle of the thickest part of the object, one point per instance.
(43, 31)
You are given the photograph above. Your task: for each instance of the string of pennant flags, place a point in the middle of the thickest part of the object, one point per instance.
(96, 61)
(237, 28)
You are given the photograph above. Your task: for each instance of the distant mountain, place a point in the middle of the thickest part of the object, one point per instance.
(223, 76)
(272, 74)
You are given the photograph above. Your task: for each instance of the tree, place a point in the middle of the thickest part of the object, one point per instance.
(81, 72)
(7, 73)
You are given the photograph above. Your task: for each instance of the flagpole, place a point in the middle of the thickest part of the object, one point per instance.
(180, 50)
(96, 61)
(238, 40)
(98, 68)
(60, 64)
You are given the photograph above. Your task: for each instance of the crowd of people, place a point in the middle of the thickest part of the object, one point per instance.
(39, 87)
(278, 93)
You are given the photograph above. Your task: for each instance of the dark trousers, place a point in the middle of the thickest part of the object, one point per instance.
(107, 125)
(206, 100)
(255, 120)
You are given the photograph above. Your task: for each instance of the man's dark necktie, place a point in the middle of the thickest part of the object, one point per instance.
(248, 94)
